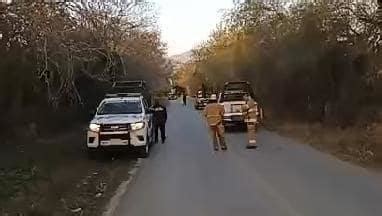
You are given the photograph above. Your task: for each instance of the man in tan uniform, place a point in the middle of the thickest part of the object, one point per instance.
(251, 112)
(214, 113)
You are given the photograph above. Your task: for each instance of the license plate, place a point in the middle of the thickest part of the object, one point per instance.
(105, 142)
(236, 108)
(115, 141)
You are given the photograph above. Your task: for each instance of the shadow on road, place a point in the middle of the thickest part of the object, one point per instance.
(236, 128)
(108, 156)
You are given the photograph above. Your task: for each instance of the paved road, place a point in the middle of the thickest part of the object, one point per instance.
(185, 177)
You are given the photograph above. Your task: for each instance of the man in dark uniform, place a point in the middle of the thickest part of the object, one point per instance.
(159, 120)
(184, 99)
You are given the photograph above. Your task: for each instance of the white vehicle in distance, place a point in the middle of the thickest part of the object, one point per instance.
(121, 121)
(201, 100)
(213, 98)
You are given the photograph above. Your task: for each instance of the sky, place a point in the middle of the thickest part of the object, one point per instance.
(186, 23)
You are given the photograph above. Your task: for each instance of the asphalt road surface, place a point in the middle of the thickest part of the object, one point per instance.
(185, 177)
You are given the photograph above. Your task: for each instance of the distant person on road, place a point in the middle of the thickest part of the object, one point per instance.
(184, 99)
(251, 112)
(159, 121)
(214, 113)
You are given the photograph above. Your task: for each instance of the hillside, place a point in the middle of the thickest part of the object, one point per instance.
(181, 58)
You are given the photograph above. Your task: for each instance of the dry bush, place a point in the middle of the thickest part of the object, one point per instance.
(59, 58)
(311, 62)
(315, 67)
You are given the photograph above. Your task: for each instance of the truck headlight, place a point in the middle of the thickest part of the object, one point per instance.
(137, 125)
(94, 127)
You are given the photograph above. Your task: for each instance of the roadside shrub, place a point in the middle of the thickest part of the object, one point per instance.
(315, 62)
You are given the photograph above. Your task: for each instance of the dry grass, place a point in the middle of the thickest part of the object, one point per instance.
(362, 145)
(53, 176)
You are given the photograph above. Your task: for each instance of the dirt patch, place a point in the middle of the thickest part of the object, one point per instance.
(361, 145)
(53, 176)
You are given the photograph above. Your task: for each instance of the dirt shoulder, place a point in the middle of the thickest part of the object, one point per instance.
(53, 176)
(360, 145)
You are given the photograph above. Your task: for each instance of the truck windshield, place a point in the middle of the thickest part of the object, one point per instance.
(236, 86)
(120, 107)
(232, 97)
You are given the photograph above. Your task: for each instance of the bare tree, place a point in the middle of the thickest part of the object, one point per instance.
(61, 42)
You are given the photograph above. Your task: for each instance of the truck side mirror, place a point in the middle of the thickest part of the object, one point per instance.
(92, 113)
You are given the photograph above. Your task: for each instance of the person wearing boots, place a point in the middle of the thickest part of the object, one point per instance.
(251, 112)
(214, 114)
(159, 121)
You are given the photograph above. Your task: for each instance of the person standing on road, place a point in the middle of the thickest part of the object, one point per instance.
(214, 114)
(251, 112)
(159, 121)
(184, 99)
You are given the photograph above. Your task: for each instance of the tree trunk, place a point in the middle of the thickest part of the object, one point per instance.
(379, 11)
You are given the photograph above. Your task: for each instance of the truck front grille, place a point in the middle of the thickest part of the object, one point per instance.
(115, 127)
(114, 136)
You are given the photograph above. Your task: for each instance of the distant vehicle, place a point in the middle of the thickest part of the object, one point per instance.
(172, 96)
(138, 86)
(233, 99)
(122, 120)
(213, 98)
(200, 100)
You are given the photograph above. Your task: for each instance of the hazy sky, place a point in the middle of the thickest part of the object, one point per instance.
(185, 23)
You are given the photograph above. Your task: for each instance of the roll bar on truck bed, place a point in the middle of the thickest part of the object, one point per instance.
(131, 87)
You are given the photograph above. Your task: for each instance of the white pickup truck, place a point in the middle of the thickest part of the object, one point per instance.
(121, 121)
(233, 99)
(233, 107)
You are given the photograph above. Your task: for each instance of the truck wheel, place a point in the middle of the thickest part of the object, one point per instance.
(144, 151)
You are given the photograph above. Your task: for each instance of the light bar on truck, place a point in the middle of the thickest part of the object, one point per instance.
(129, 84)
(116, 95)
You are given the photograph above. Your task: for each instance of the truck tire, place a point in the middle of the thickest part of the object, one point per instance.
(144, 151)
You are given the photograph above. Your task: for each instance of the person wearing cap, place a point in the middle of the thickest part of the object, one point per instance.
(159, 120)
(251, 111)
(214, 114)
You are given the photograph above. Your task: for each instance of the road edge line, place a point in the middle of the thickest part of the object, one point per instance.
(121, 190)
